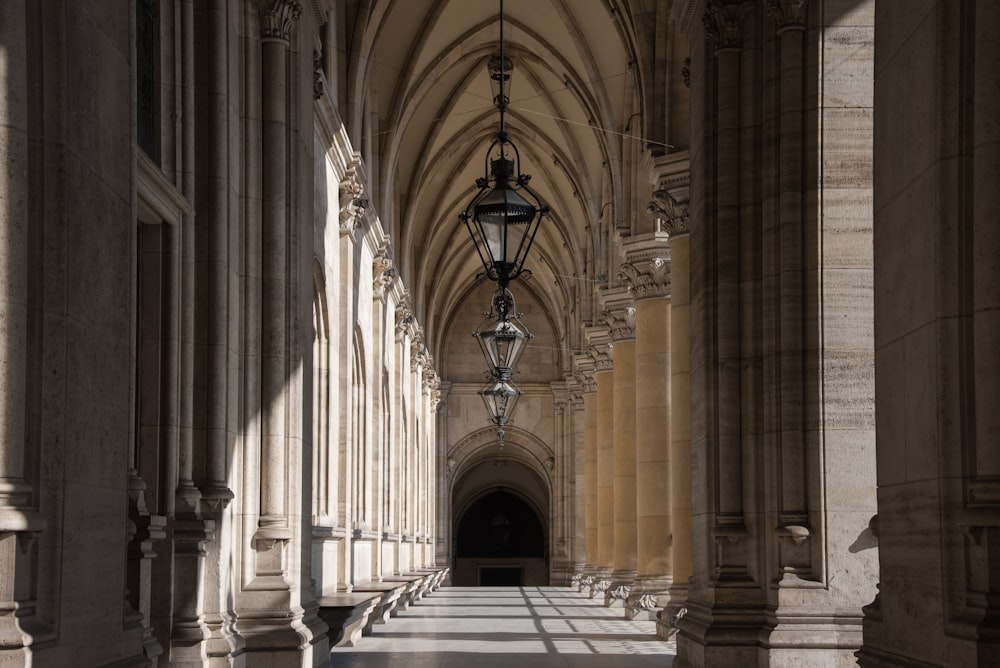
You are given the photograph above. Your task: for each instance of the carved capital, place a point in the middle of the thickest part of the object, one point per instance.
(791, 14)
(647, 277)
(724, 23)
(277, 21)
(671, 215)
(620, 322)
(618, 315)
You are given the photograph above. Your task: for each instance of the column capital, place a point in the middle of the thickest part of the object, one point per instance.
(583, 372)
(276, 24)
(600, 348)
(672, 216)
(790, 14)
(723, 23)
(618, 313)
(646, 269)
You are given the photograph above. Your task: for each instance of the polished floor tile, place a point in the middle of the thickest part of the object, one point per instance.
(508, 627)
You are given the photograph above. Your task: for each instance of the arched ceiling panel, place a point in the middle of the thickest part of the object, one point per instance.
(574, 89)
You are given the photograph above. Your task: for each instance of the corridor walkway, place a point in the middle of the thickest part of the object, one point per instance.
(508, 627)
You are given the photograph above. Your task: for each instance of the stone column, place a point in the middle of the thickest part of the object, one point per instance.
(599, 339)
(619, 315)
(219, 294)
(19, 521)
(585, 376)
(726, 602)
(671, 173)
(273, 528)
(937, 328)
(647, 272)
(680, 428)
(560, 568)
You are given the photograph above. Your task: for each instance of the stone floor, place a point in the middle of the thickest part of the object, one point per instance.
(508, 627)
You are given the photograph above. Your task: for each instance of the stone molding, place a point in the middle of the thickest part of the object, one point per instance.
(276, 23)
(723, 23)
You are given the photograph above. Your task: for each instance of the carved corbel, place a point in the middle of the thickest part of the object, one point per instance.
(383, 270)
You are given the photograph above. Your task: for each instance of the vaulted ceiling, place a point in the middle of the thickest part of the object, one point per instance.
(420, 107)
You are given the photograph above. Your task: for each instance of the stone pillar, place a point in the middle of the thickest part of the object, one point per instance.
(671, 174)
(619, 315)
(273, 529)
(680, 429)
(604, 432)
(19, 521)
(560, 568)
(726, 602)
(647, 272)
(585, 375)
(937, 327)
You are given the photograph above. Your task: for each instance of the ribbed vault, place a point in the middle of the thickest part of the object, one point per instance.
(421, 95)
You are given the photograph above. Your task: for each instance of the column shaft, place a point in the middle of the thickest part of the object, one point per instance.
(624, 486)
(680, 429)
(653, 465)
(274, 282)
(605, 476)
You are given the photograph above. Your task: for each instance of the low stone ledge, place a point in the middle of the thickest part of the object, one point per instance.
(389, 593)
(347, 614)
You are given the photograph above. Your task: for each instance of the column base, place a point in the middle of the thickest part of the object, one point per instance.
(672, 612)
(648, 597)
(618, 591)
(598, 585)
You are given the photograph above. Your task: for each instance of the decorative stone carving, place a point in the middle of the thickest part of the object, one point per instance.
(598, 587)
(620, 322)
(277, 21)
(642, 601)
(383, 270)
(586, 582)
(724, 23)
(673, 215)
(352, 205)
(617, 596)
(602, 359)
(404, 317)
(791, 14)
(319, 79)
(647, 277)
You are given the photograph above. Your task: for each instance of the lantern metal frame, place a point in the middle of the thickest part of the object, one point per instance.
(502, 336)
(503, 216)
